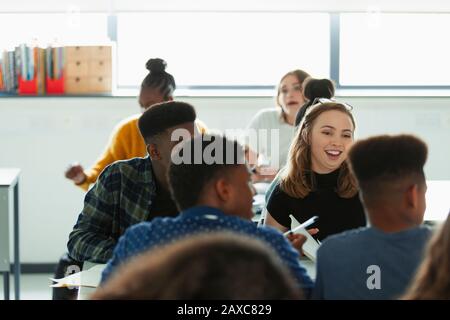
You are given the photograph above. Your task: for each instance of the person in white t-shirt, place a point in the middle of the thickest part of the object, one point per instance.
(271, 131)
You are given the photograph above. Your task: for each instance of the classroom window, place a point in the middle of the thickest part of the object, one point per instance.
(52, 28)
(394, 49)
(222, 48)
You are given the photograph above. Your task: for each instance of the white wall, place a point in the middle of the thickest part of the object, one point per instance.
(41, 136)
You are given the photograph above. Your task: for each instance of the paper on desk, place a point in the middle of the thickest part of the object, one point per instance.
(311, 246)
(88, 278)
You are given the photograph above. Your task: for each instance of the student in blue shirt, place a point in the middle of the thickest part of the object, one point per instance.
(211, 186)
(379, 261)
(432, 280)
(219, 266)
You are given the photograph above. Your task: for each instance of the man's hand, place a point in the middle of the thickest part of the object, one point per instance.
(297, 240)
(75, 172)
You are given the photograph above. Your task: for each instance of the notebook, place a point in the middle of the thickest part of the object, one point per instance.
(88, 278)
(311, 246)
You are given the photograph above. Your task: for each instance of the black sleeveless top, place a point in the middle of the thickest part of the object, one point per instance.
(335, 214)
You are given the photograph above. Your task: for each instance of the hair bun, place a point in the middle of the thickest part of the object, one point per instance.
(156, 65)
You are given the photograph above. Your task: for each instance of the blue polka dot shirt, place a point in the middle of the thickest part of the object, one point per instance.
(164, 230)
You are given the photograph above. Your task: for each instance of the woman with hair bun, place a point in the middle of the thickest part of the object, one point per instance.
(126, 141)
(314, 89)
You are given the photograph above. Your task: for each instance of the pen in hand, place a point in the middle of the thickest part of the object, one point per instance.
(305, 224)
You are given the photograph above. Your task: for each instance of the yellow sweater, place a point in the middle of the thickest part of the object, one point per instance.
(126, 142)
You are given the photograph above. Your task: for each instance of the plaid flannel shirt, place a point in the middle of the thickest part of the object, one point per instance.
(121, 197)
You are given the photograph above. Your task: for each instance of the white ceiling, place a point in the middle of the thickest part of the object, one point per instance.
(441, 6)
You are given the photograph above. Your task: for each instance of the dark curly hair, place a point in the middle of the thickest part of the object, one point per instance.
(157, 77)
(381, 163)
(163, 116)
(188, 178)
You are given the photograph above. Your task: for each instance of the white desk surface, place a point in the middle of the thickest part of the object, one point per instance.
(8, 176)
(438, 200)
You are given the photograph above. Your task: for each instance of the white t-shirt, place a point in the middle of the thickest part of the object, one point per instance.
(271, 136)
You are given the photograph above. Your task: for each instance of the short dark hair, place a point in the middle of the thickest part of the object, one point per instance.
(220, 265)
(379, 163)
(163, 116)
(188, 179)
(315, 88)
(158, 78)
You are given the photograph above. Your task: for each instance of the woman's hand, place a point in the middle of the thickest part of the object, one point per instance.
(75, 172)
(297, 240)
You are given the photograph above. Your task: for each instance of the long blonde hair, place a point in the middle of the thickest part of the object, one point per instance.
(297, 178)
(432, 280)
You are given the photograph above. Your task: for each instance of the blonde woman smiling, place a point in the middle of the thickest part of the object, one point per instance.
(317, 180)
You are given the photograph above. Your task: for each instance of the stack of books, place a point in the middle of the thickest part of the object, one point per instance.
(32, 70)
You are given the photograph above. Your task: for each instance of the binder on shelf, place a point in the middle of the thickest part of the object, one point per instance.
(27, 86)
(54, 86)
(54, 79)
(34, 82)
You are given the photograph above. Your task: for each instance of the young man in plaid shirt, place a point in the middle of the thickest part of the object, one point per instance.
(131, 191)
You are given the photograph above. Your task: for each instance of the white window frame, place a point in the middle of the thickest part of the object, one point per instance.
(112, 7)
